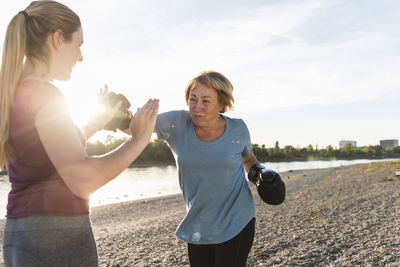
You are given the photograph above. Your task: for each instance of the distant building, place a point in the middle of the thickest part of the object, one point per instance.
(390, 143)
(343, 143)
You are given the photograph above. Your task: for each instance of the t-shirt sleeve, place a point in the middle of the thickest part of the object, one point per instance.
(246, 140)
(165, 125)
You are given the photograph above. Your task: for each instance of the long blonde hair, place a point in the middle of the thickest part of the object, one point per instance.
(26, 40)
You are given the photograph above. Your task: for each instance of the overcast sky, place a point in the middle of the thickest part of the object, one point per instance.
(304, 71)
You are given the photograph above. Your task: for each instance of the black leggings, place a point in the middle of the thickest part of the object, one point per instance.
(232, 253)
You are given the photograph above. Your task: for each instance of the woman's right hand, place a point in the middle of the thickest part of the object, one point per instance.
(144, 120)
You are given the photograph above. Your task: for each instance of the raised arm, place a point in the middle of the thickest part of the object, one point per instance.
(81, 173)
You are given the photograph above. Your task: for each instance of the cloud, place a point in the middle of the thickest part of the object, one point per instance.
(281, 56)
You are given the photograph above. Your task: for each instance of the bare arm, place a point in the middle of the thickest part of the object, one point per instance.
(249, 161)
(81, 173)
(91, 128)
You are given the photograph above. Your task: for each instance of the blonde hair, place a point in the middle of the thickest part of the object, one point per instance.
(219, 83)
(26, 40)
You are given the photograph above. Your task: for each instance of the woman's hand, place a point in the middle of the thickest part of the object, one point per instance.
(105, 112)
(144, 120)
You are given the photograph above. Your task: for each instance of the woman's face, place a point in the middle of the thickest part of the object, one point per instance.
(67, 55)
(204, 104)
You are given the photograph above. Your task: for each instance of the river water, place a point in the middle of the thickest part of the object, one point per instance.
(147, 182)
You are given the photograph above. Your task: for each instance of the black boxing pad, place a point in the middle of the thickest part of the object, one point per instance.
(126, 121)
(122, 118)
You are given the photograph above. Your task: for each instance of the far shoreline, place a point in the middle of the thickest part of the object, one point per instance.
(158, 164)
(173, 164)
(329, 159)
(150, 164)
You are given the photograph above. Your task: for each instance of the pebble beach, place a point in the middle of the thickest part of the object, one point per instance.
(344, 216)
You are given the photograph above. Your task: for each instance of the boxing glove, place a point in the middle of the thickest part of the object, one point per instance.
(122, 116)
(270, 185)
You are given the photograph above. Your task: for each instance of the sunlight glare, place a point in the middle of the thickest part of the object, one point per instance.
(82, 104)
(82, 109)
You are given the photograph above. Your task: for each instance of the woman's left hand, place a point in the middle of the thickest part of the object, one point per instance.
(105, 112)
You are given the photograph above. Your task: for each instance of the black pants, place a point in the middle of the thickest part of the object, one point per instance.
(232, 253)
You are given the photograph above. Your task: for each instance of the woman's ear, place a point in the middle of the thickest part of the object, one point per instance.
(56, 39)
(221, 106)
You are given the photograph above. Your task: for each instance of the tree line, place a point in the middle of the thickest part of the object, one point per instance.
(290, 153)
(158, 152)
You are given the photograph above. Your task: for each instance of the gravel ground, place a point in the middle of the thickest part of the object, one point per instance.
(346, 216)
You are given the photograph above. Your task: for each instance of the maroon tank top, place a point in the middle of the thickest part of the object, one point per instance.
(36, 186)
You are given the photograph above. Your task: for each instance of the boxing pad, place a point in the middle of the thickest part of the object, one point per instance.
(122, 116)
(270, 185)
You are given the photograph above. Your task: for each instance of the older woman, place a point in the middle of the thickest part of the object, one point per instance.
(212, 153)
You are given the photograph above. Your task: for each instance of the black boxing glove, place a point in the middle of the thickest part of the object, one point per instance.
(270, 185)
(122, 117)
(254, 172)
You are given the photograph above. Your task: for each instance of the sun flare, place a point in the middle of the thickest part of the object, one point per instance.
(83, 105)
(82, 108)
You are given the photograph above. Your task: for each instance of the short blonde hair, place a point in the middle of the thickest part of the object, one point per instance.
(219, 83)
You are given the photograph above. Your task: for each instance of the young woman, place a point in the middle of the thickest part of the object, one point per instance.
(50, 173)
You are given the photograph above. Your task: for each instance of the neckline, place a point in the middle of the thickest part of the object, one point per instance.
(33, 80)
(218, 139)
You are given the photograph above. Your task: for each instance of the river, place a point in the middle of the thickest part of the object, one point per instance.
(147, 182)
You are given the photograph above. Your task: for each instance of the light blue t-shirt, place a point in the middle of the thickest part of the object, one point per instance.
(218, 200)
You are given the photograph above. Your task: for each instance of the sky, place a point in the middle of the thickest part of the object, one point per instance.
(304, 71)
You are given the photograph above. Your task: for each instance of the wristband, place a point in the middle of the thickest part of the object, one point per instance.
(254, 173)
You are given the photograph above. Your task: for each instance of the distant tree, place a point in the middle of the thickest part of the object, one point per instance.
(97, 148)
(277, 145)
(310, 148)
(158, 152)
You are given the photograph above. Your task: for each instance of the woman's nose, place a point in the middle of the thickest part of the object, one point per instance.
(197, 106)
(80, 57)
